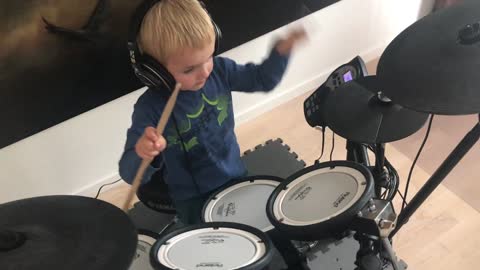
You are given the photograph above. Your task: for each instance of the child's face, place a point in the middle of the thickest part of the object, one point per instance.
(191, 67)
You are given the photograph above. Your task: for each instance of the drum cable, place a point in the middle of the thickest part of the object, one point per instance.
(104, 185)
(393, 182)
(393, 186)
(415, 161)
(333, 146)
(323, 145)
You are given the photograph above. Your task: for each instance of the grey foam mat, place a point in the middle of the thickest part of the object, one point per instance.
(272, 158)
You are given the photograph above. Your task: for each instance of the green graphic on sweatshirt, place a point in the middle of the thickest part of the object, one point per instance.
(174, 140)
(202, 114)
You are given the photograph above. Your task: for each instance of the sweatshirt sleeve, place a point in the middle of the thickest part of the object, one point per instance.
(255, 77)
(143, 116)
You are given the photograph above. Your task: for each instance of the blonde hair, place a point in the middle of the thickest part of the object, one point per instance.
(171, 25)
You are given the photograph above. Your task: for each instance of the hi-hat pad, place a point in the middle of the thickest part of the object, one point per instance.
(65, 232)
(359, 112)
(433, 65)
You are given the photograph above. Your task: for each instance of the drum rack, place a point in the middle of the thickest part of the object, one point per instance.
(276, 158)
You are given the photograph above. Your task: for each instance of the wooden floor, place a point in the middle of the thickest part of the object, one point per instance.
(443, 233)
(447, 132)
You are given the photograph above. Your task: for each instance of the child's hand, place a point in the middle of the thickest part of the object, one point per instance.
(150, 144)
(284, 46)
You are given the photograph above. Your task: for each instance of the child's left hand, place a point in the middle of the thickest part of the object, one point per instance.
(284, 46)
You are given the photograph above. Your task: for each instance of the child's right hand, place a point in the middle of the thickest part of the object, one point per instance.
(150, 144)
(285, 46)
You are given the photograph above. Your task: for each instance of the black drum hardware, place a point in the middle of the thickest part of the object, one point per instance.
(422, 72)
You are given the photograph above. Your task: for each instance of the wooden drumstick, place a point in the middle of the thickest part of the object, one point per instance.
(146, 162)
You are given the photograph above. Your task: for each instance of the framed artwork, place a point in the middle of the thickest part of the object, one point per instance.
(60, 58)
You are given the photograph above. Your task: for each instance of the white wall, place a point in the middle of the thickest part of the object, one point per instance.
(78, 155)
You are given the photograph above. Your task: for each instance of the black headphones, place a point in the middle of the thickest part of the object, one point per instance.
(150, 72)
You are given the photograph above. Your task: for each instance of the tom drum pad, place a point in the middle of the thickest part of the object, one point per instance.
(320, 200)
(243, 201)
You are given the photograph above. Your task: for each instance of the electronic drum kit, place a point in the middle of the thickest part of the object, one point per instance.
(430, 68)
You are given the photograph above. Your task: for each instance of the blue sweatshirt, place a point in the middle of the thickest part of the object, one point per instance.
(210, 155)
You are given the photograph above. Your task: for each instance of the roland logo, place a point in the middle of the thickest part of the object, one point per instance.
(209, 265)
(340, 199)
(230, 210)
(302, 194)
(212, 239)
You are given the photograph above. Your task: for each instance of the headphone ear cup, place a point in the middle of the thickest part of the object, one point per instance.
(143, 76)
(156, 73)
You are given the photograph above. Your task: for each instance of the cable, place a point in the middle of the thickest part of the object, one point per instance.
(384, 194)
(100, 189)
(323, 145)
(415, 161)
(333, 146)
(401, 195)
(394, 179)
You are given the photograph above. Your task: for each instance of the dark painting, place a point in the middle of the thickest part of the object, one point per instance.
(60, 58)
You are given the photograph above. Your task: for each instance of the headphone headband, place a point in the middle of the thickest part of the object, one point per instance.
(149, 71)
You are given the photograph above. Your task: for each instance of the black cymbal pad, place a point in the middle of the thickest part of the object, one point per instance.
(433, 65)
(362, 115)
(67, 232)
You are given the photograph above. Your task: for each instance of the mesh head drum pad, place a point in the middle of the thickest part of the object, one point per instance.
(320, 201)
(243, 201)
(215, 245)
